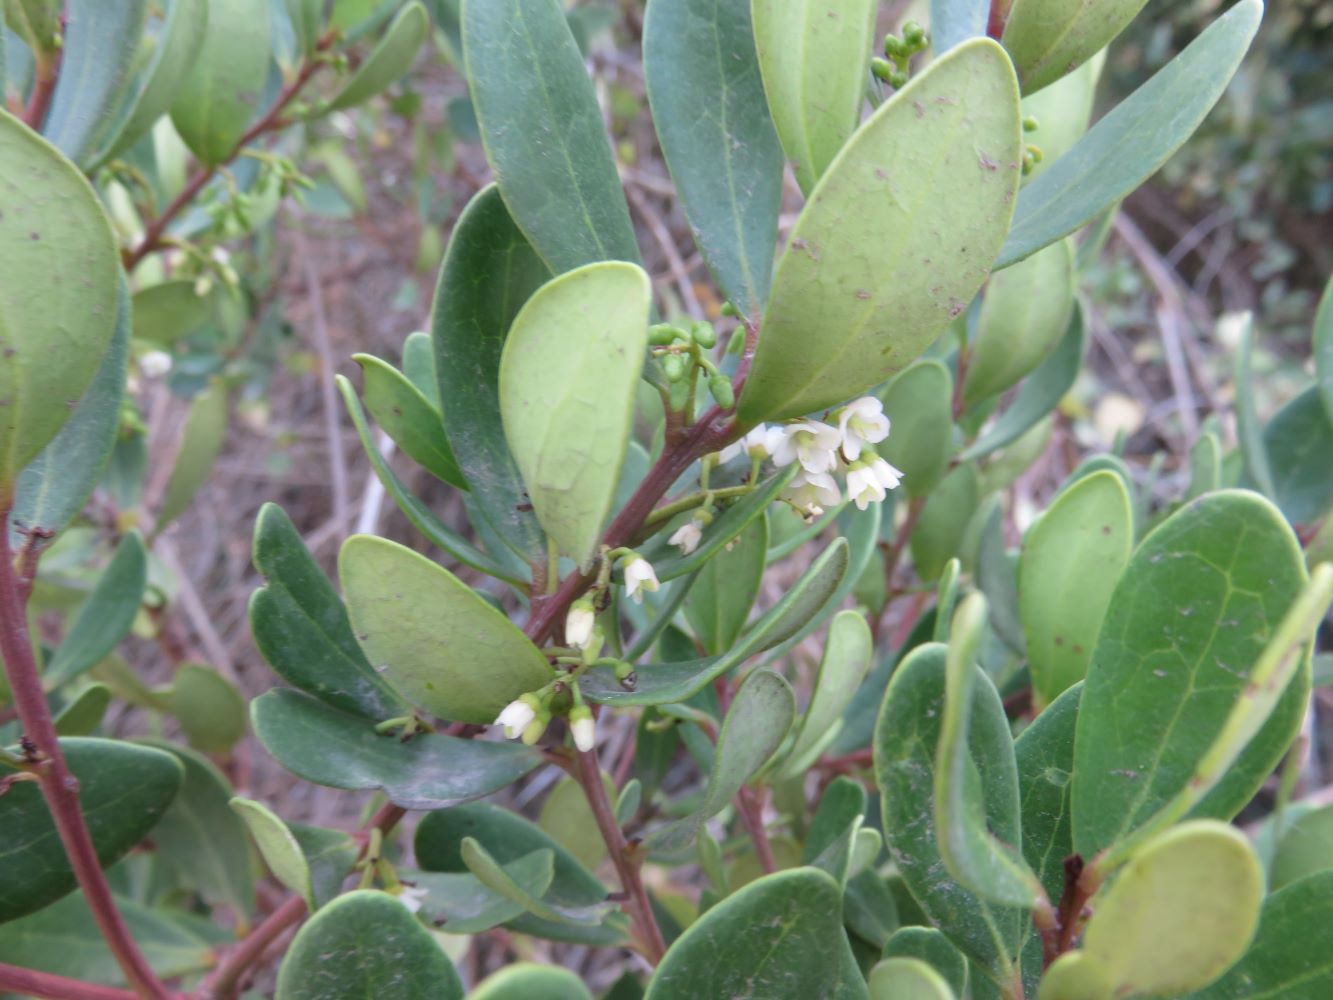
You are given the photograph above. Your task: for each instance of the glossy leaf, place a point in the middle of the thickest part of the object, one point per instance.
(953, 22)
(429, 771)
(55, 485)
(1044, 752)
(713, 123)
(1072, 558)
(919, 405)
(1048, 39)
(1062, 111)
(214, 104)
(939, 530)
(97, 57)
(105, 616)
(930, 946)
(757, 722)
(1298, 441)
(408, 417)
(1280, 964)
(208, 707)
(431, 636)
(1039, 395)
(124, 790)
(543, 132)
(1024, 314)
(1199, 600)
(390, 58)
(568, 376)
(526, 980)
(847, 653)
(489, 272)
(1322, 348)
(907, 736)
(980, 860)
(842, 317)
(1181, 912)
(201, 442)
(371, 940)
(661, 683)
(907, 979)
(1134, 139)
(301, 626)
(53, 235)
(201, 837)
(815, 62)
(718, 605)
(309, 861)
(781, 935)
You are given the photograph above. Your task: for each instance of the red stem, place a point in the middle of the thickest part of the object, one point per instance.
(49, 986)
(43, 89)
(59, 787)
(999, 16)
(749, 803)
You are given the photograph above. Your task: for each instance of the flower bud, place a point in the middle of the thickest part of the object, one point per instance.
(882, 68)
(720, 386)
(704, 335)
(582, 727)
(579, 623)
(673, 367)
(663, 334)
(518, 715)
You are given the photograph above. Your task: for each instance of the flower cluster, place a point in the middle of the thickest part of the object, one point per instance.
(823, 451)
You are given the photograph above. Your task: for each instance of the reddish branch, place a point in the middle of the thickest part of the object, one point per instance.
(52, 987)
(750, 805)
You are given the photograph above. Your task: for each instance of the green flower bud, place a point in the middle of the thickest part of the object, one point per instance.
(729, 310)
(704, 335)
(1030, 123)
(674, 367)
(720, 386)
(882, 68)
(898, 80)
(914, 34)
(893, 47)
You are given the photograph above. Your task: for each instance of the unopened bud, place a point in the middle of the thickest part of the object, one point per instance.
(674, 367)
(663, 334)
(720, 386)
(1030, 123)
(704, 335)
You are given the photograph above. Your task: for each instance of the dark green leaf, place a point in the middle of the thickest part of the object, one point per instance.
(1322, 348)
(1306, 847)
(933, 948)
(1299, 441)
(712, 121)
(367, 940)
(939, 530)
(493, 876)
(1249, 431)
(918, 403)
(429, 771)
(1045, 755)
(718, 604)
(408, 417)
(201, 442)
(83, 715)
(106, 616)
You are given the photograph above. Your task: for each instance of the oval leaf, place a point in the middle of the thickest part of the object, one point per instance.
(408, 417)
(919, 405)
(526, 981)
(1062, 112)
(1051, 38)
(106, 616)
(847, 653)
(390, 58)
(907, 979)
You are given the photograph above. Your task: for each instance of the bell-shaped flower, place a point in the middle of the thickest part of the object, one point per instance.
(760, 443)
(582, 727)
(811, 492)
(869, 480)
(579, 623)
(810, 442)
(687, 536)
(861, 422)
(639, 577)
(518, 715)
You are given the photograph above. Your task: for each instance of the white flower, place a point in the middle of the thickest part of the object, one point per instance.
(759, 443)
(515, 717)
(582, 728)
(813, 443)
(889, 477)
(155, 364)
(639, 577)
(412, 896)
(811, 492)
(686, 537)
(579, 624)
(862, 422)
(867, 482)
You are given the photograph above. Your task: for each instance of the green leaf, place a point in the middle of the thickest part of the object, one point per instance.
(431, 636)
(907, 979)
(105, 616)
(215, 103)
(309, 861)
(780, 936)
(166, 312)
(1181, 912)
(568, 376)
(757, 722)
(1322, 348)
(907, 736)
(301, 627)
(567, 816)
(1024, 314)
(55, 485)
(1134, 139)
(1200, 598)
(996, 576)
(1075, 975)
(1281, 964)
(1249, 431)
(123, 790)
(65, 939)
(660, 683)
(100, 42)
(847, 653)
(459, 901)
(414, 509)
(1205, 465)
(202, 837)
(919, 405)
(1040, 393)
(84, 713)
(953, 22)
(391, 57)
(1298, 441)
(53, 235)
(489, 272)
(975, 722)
(1049, 39)
(1044, 752)
(833, 828)
(712, 120)
(1072, 557)
(200, 444)
(543, 132)
(930, 946)
(368, 940)
(209, 708)
(527, 981)
(943, 521)
(815, 62)
(408, 417)
(1062, 111)
(489, 872)
(928, 182)
(718, 605)
(429, 771)
(174, 46)
(1306, 848)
